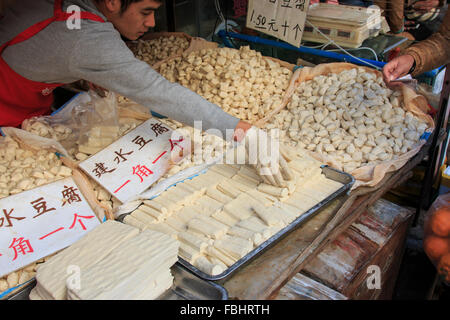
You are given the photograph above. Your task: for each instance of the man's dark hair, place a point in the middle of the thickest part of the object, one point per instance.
(124, 4)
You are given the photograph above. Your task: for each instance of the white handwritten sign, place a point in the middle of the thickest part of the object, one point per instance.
(41, 221)
(282, 19)
(135, 161)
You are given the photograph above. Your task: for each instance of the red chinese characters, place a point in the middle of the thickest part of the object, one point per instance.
(20, 246)
(78, 218)
(142, 171)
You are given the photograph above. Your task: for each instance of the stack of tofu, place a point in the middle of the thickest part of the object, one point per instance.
(112, 262)
(220, 216)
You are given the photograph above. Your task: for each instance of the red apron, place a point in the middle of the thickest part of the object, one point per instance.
(21, 98)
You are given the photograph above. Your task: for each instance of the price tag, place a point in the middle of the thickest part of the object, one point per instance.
(134, 162)
(283, 19)
(38, 222)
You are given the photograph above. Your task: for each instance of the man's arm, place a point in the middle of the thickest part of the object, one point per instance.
(105, 60)
(434, 51)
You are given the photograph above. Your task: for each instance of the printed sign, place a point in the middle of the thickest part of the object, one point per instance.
(282, 19)
(38, 222)
(138, 159)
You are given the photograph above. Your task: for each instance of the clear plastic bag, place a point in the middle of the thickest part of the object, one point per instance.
(436, 240)
(74, 124)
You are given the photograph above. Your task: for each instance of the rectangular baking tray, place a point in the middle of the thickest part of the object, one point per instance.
(186, 286)
(346, 179)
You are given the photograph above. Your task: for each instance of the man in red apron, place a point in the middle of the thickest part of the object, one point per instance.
(21, 98)
(39, 52)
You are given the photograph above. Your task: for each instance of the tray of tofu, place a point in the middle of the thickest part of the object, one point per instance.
(227, 216)
(186, 286)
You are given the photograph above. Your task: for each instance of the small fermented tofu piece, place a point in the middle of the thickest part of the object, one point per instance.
(216, 261)
(197, 243)
(215, 222)
(255, 237)
(304, 167)
(225, 170)
(234, 246)
(158, 215)
(171, 201)
(134, 222)
(284, 215)
(88, 149)
(208, 205)
(249, 178)
(206, 228)
(299, 204)
(222, 256)
(247, 182)
(255, 226)
(197, 192)
(157, 205)
(188, 253)
(228, 189)
(176, 223)
(314, 195)
(186, 214)
(208, 179)
(202, 263)
(267, 215)
(288, 209)
(225, 218)
(241, 207)
(143, 216)
(273, 190)
(263, 198)
(196, 185)
(164, 228)
(95, 245)
(240, 186)
(184, 196)
(212, 192)
(249, 172)
(324, 186)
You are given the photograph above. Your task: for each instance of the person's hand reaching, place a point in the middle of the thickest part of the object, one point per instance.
(263, 152)
(396, 68)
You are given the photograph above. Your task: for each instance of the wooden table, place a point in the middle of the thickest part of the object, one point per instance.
(263, 277)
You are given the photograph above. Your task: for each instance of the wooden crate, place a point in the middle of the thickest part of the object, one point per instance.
(376, 239)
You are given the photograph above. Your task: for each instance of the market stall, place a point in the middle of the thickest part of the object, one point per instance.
(184, 219)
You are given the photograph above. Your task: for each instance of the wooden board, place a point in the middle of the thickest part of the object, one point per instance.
(374, 240)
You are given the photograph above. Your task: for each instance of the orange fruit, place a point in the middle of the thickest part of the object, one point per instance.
(443, 267)
(436, 247)
(440, 222)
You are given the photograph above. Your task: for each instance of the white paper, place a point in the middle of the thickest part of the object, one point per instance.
(41, 221)
(138, 159)
(282, 19)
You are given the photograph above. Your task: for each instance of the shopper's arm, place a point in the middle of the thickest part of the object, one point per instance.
(434, 51)
(105, 60)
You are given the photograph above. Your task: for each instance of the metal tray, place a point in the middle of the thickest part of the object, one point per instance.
(186, 286)
(346, 179)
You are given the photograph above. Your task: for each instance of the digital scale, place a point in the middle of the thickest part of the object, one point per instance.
(348, 26)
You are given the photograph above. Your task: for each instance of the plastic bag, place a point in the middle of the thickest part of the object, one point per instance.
(436, 240)
(75, 124)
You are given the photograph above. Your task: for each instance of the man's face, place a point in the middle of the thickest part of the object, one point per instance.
(137, 19)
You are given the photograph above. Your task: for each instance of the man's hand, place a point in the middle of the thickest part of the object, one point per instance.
(396, 68)
(263, 152)
(426, 5)
(97, 89)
